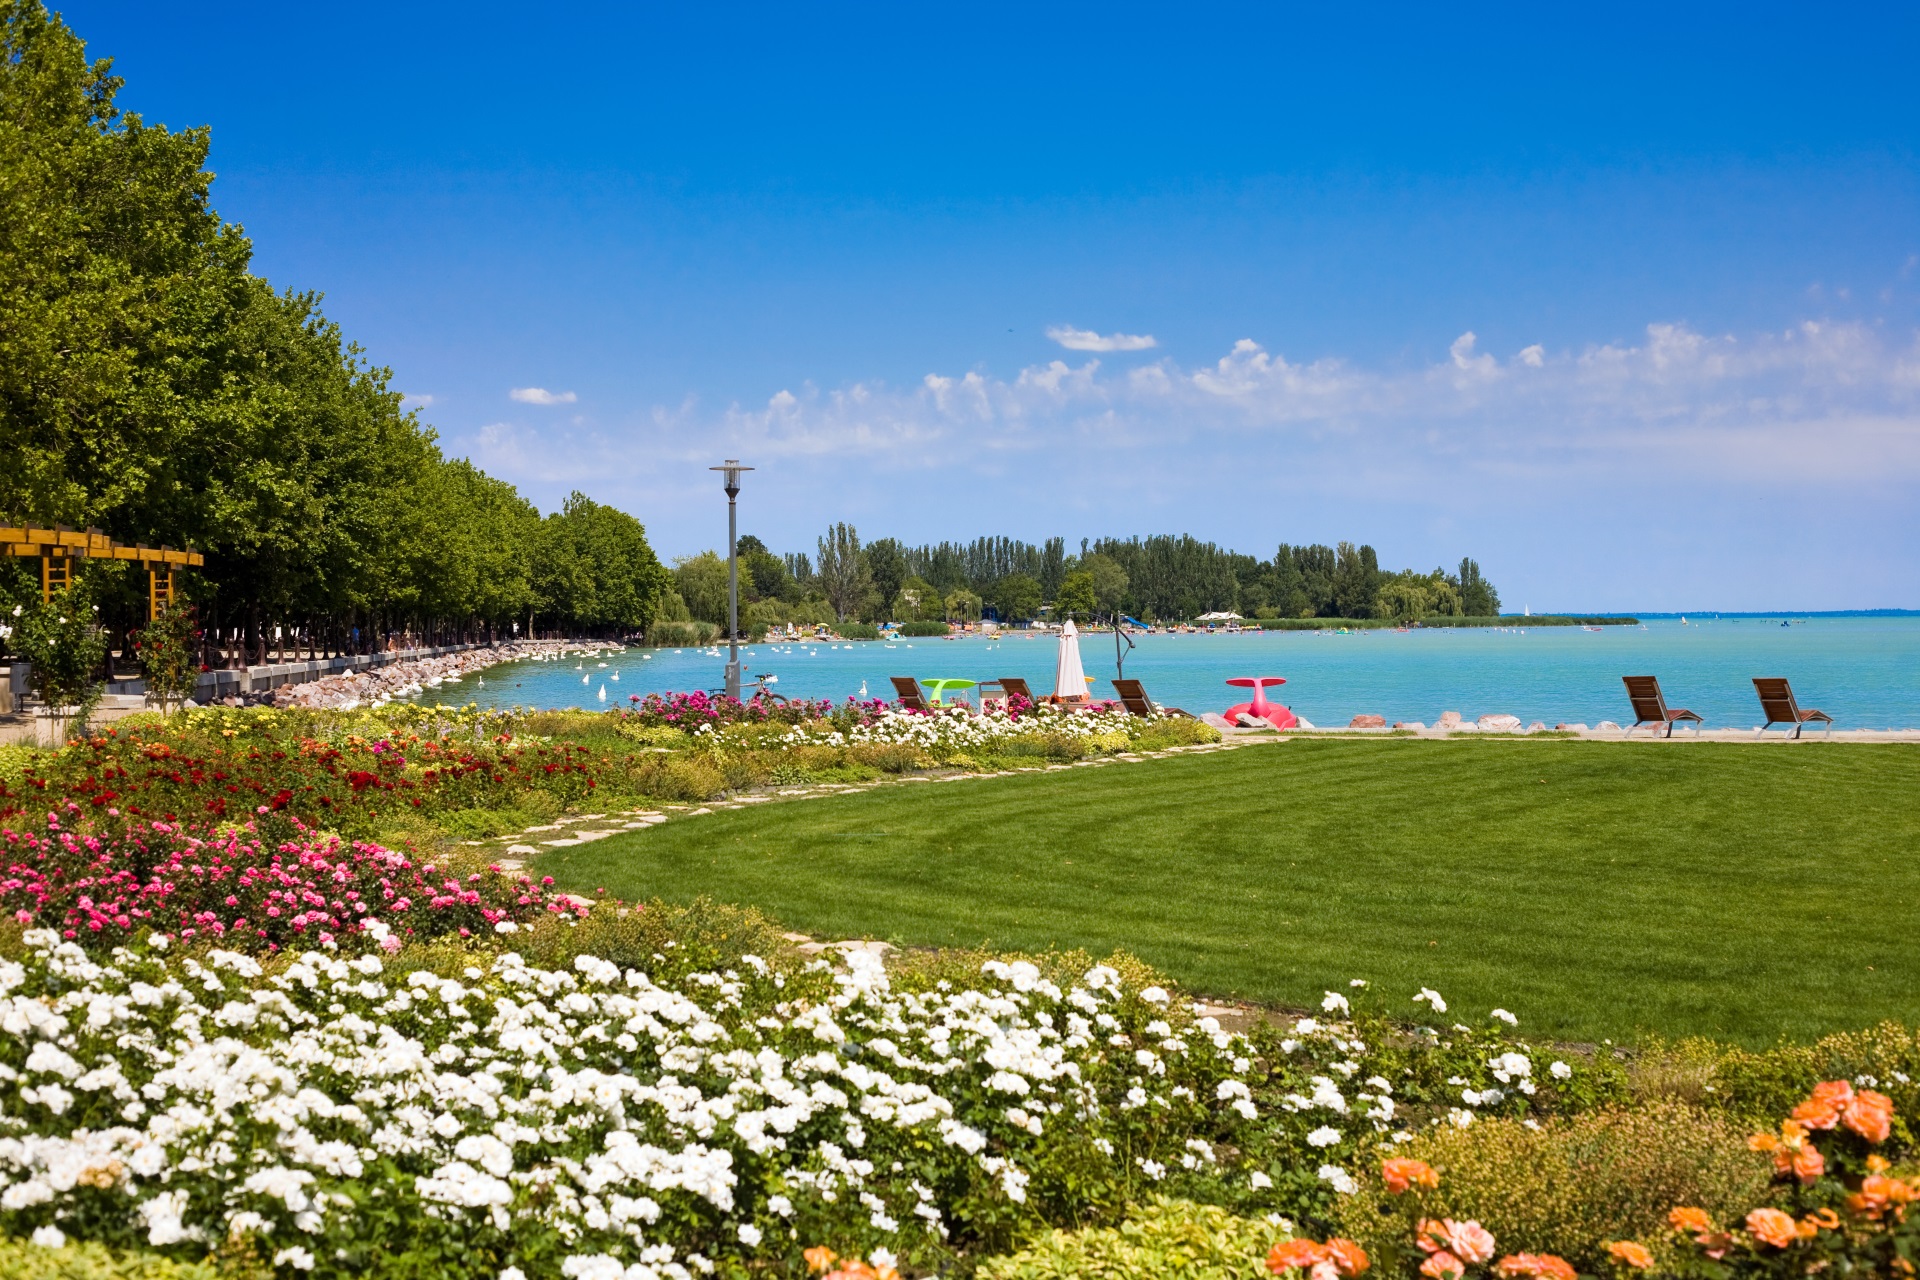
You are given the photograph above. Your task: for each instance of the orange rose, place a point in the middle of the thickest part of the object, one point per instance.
(1772, 1227)
(819, 1258)
(1401, 1175)
(1878, 1193)
(1349, 1258)
(1869, 1114)
(1631, 1253)
(1535, 1266)
(1291, 1254)
(1763, 1142)
(1806, 1164)
(1687, 1218)
(1468, 1241)
(1822, 1109)
(1442, 1265)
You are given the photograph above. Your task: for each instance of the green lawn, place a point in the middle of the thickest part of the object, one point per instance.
(1595, 889)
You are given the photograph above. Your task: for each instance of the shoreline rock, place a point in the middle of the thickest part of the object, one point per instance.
(377, 686)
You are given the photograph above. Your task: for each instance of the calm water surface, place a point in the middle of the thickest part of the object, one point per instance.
(1863, 671)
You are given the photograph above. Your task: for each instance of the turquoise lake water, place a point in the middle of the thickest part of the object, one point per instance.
(1864, 671)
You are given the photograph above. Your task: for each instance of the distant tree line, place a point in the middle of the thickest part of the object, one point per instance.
(1162, 578)
(153, 387)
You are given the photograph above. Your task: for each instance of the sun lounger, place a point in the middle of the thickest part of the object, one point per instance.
(907, 690)
(1650, 707)
(1777, 704)
(1133, 696)
(1015, 687)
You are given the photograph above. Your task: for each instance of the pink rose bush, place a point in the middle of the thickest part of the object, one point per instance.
(230, 883)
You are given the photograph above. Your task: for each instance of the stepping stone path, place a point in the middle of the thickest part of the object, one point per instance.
(516, 849)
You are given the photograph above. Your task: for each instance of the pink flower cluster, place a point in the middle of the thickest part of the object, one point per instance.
(231, 884)
(690, 710)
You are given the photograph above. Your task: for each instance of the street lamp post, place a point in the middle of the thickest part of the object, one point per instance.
(732, 468)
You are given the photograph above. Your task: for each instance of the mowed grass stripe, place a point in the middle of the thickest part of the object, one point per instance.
(1597, 890)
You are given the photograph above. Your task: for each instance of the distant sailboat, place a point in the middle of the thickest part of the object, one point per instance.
(603, 693)
(586, 679)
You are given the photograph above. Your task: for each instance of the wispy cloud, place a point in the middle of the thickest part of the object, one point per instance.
(1838, 399)
(1558, 463)
(416, 402)
(1087, 340)
(540, 395)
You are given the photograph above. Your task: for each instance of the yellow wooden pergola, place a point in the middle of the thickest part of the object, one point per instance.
(57, 548)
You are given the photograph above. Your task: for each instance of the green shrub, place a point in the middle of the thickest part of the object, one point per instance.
(21, 1260)
(1756, 1087)
(1176, 731)
(700, 935)
(677, 777)
(1571, 1185)
(480, 824)
(1166, 1240)
(654, 735)
(681, 635)
(924, 629)
(857, 631)
(890, 757)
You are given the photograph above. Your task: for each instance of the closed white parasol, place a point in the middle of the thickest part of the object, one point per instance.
(1069, 681)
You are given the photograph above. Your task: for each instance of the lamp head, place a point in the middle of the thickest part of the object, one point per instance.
(733, 469)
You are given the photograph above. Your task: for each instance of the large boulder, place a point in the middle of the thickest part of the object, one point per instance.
(1367, 722)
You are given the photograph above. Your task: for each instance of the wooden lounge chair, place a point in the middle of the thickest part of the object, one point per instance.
(1133, 696)
(1015, 687)
(1650, 707)
(1777, 704)
(907, 690)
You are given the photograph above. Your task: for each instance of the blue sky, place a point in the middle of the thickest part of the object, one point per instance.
(1622, 301)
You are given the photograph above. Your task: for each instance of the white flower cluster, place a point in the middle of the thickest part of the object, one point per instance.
(955, 728)
(591, 1120)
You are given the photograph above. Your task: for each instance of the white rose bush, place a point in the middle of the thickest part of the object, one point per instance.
(956, 727)
(460, 1111)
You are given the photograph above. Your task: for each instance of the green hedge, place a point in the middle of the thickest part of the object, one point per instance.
(21, 1260)
(1378, 624)
(1170, 1240)
(682, 635)
(924, 629)
(857, 631)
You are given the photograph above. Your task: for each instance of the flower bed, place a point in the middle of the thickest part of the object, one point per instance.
(231, 883)
(691, 710)
(217, 765)
(592, 1122)
(949, 729)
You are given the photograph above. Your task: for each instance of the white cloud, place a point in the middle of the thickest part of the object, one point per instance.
(416, 402)
(1842, 397)
(540, 395)
(1087, 340)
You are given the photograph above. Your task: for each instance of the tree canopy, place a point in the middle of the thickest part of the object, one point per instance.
(152, 386)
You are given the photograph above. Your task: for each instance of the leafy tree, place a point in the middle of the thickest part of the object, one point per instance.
(919, 601)
(1356, 581)
(702, 581)
(841, 570)
(594, 568)
(962, 605)
(887, 569)
(1076, 597)
(152, 386)
(1403, 596)
(66, 647)
(169, 656)
(1016, 597)
(1478, 599)
(1109, 582)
